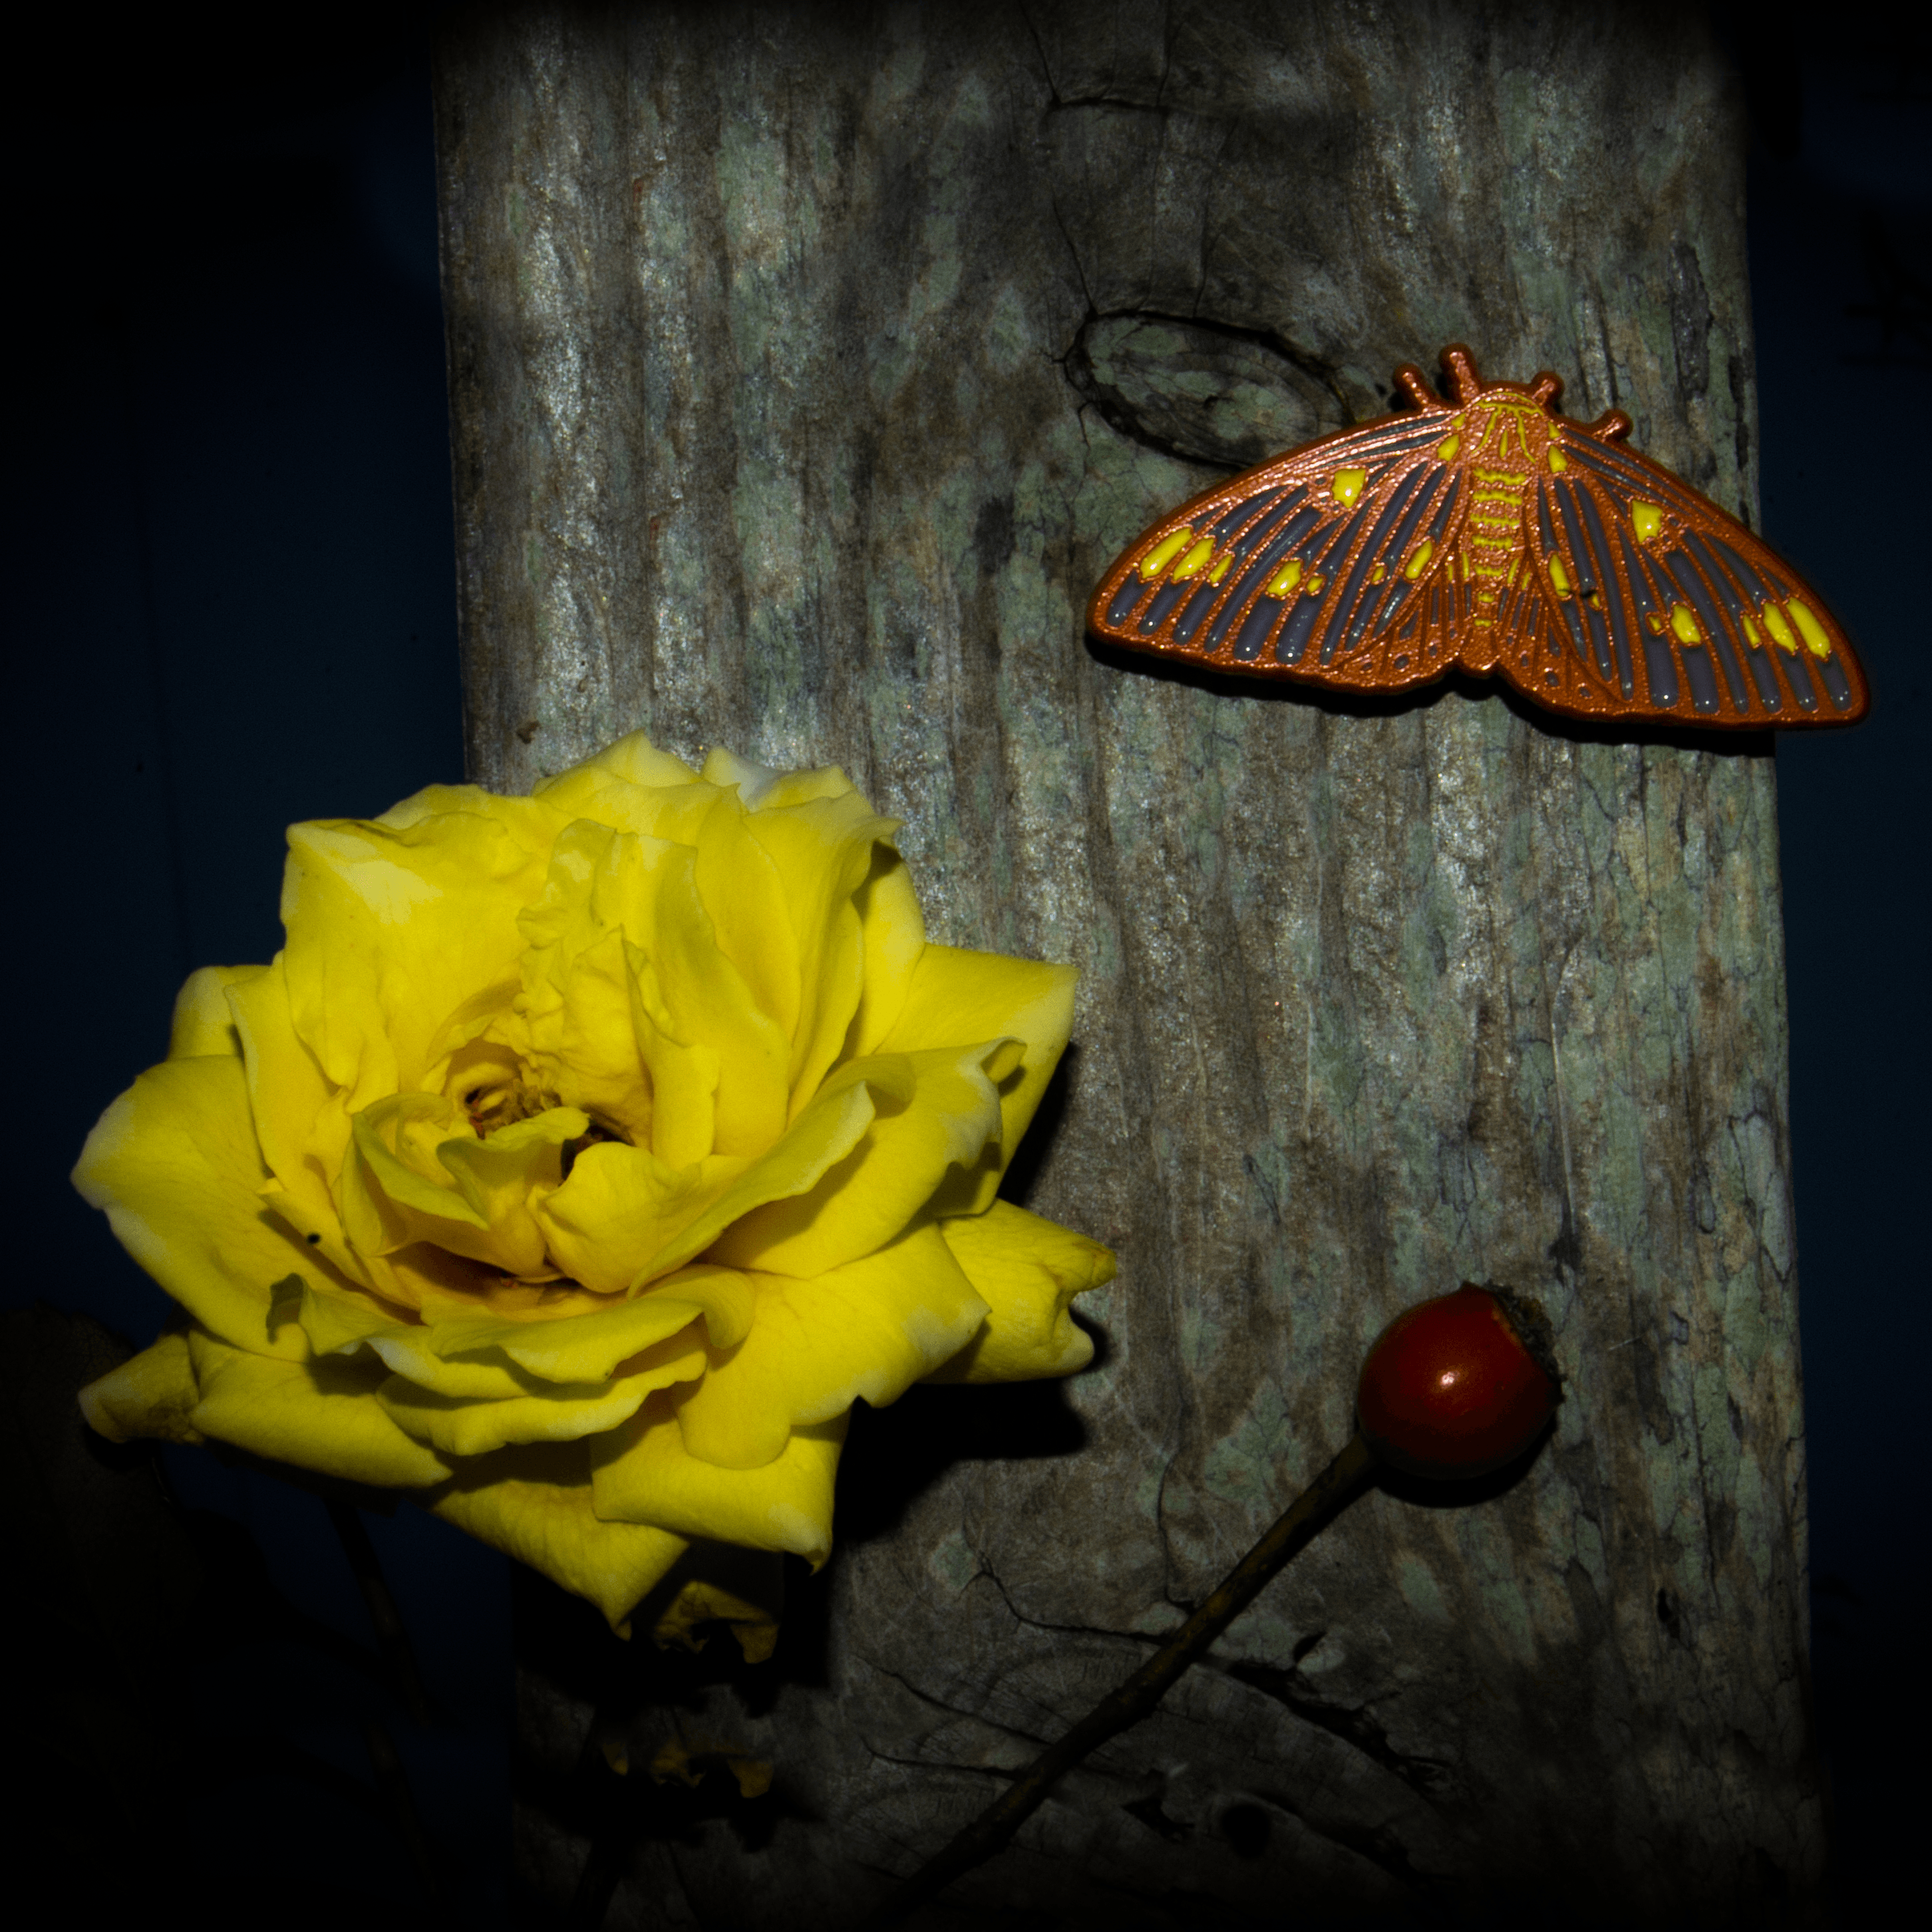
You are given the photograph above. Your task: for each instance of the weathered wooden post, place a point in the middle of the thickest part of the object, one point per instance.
(807, 367)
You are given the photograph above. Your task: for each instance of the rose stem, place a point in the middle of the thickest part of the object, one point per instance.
(391, 1638)
(394, 1783)
(1308, 1514)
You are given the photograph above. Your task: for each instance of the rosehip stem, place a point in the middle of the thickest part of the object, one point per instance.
(1308, 1514)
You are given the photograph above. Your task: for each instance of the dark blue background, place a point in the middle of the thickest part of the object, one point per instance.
(1840, 236)
(233, 594)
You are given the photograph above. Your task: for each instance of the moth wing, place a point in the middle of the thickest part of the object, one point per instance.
(1644, 599)
(1286, 569)
(1569, 629)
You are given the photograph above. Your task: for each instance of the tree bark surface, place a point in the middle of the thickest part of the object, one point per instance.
(808, 366)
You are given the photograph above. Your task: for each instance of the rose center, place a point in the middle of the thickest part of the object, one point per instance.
(491, 1085)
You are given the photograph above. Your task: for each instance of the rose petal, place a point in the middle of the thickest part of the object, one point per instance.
(300, 1124)
(747, 921)
(588, 1347)
(623, 1218)
(620, 1205)
(392, 922)
(387, 1201)
(574, 1016)
(587, 791)
(319, 1415)
(499, 1176)
(957, 996)
(432, 1281)
(641, 1472)
(718, 1582)
(461, 1425)
(175, 1164)
(484, 1375)
(700, 996)
(534, 1502)
(625, 976)
(761, 785)
(152, 1394)
(821, 851)
(684, 1074)
(202, 1024)
(338, 1318)
(1028, 1269)
(872, 1194)
(869, 1329)
(412, 1176)
(892, 929)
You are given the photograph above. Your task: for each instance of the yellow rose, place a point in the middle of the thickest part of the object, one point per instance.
(582, 1157)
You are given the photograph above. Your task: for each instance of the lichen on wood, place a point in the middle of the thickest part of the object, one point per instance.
(807, 368)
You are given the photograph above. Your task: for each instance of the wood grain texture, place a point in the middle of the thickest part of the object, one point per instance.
(808, 367)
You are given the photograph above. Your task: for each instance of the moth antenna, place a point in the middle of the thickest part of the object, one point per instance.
(1461, 368)
(1411, 381)
(1613, 426)
(1546, 389)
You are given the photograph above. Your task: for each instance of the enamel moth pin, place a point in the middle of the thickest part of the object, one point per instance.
(1491, 535)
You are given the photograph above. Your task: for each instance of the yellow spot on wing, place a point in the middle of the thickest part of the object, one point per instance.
(1220, 569)
(1812, 632)
(1163, 553)
(1558, 462)
(1348, 484)
(1189, 566)
(1646, 519)
(1559, 576)
(1419, 563)
(1780, 631)
(1285, 578)
(1445, 450)
(1376, 575)
(1313, 586)
(1684, 625)
(1750, 633)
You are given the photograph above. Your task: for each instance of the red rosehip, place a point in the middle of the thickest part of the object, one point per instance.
(1459, 1385)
